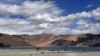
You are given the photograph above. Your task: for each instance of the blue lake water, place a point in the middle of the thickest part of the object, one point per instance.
(58, 48)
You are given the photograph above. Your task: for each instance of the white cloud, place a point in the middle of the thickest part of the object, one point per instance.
(88, 6)
(91, 14)
(44, 25)
(36, 9)
(44, 17)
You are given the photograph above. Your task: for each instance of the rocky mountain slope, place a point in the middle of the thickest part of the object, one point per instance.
(48, 40)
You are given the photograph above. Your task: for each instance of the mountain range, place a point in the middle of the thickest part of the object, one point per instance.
(49, 40)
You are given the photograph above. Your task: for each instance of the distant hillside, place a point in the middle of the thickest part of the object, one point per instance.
(48, 40)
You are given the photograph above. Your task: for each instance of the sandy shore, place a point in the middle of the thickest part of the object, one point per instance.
(45, 53)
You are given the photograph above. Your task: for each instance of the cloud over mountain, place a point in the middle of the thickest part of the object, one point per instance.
(45, 17)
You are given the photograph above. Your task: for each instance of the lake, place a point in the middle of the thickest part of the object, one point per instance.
(58, 48)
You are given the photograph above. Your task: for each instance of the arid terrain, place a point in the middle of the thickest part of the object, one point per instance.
(49, 40)
(45, 53)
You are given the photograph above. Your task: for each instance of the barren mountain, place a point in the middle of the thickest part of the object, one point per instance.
(43, 40)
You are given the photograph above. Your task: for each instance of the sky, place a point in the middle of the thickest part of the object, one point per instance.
(58, 17)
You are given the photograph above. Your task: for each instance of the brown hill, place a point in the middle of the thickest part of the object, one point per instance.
(42, 40)
(11, 40)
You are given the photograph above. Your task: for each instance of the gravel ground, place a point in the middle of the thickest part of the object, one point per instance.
(45, 53)
(55, 54)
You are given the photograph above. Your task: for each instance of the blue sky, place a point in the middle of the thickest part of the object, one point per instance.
(69, 6)
(49, 16)
(73, 6)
